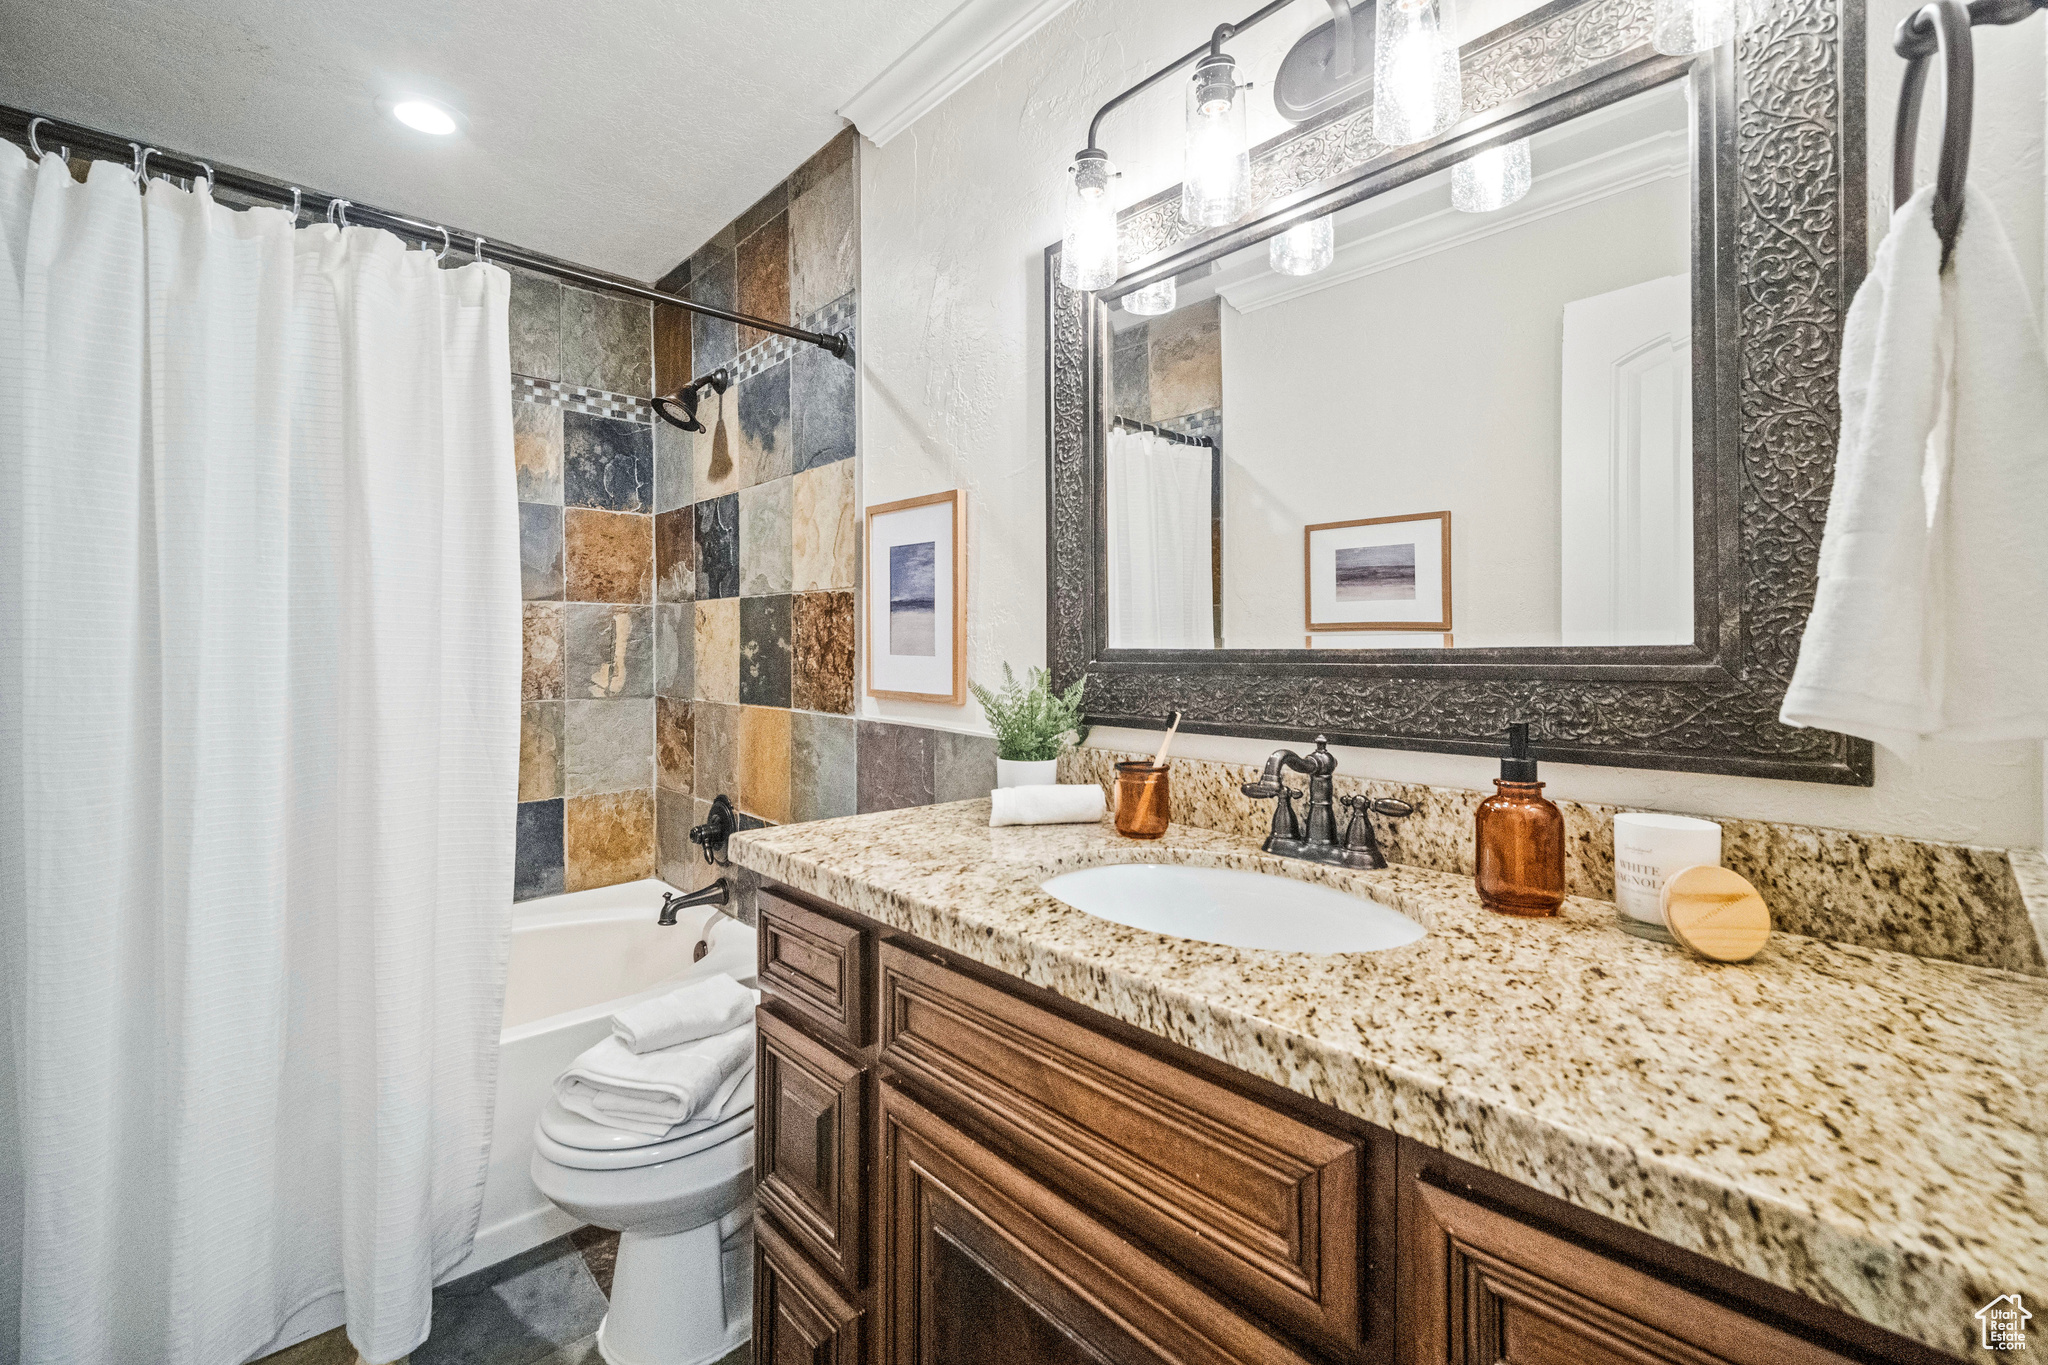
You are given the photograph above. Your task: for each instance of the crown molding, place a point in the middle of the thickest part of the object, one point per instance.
(959, 47)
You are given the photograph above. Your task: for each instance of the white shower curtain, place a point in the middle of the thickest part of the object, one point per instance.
(258, 744)
(1161, 578)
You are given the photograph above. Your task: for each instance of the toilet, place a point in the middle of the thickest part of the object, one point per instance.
(683, 1288)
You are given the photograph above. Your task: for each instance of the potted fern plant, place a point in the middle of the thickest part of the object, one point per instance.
(1032, 724)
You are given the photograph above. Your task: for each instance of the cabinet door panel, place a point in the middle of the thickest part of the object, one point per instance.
(816, 966)
(799, 1319)
(982, 1263)
(807, 1143)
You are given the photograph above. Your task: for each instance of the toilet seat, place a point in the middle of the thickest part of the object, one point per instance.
(576, 1142)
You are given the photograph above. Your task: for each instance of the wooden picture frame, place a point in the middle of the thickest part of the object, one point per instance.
(917, 601)
(1420, 569)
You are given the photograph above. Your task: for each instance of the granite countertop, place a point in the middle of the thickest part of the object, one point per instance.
(1863, 1127)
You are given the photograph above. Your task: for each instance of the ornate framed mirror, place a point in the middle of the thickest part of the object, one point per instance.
(1546, 432)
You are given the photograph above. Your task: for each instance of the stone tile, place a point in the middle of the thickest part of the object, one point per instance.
(610, 746)
(764, 428)
(824, 777)
(611, 651)
(715, 733)
(824, 541)
(1131, 374)
(822, 393)
(671, 347)
(713, 341)
(765, 529)
(600, 1248)
(675, 649)
(541, 671)
(827, 159)
(535, 325)
(718, 650)
(329, 1348)
(515, 1312)
(714, 457)
(607, 462)
(717, 247)
(607, 342)
(675, 857)
(585, 1352)
(537, 451)
(675, 555)
(963, 766)
(537, 859)
(764, 651)
(764, 762)
(895, 764)
(607, 839)
(540, 750)
(673, 745)
(540, 551)
(610, 555)
(762, 268)
(677, 281)
(769, 206)
(1186, 361)
(718, 547)
(823, 629)
(824, 238)
(674, 478)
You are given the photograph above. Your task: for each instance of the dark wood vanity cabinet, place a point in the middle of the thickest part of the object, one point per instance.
(956, 1168)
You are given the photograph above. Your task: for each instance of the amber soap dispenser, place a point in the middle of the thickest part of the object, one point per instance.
(1518, 852)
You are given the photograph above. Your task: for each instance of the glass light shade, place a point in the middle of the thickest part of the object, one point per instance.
(1152, 300)
(1216, 179)
(1088, 247)
(1417, 92)
(1491, 179)
(1304, 248)
(1679, 28)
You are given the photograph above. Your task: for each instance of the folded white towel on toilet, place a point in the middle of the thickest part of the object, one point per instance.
(652, 1092)
(698, 1010)
(1070, 805)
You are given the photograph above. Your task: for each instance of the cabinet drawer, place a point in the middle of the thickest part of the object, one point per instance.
(799, 1319)
(985, 1266)
(1260, 1204)
(1490, 1289)
(808, 1154)
(814, 964)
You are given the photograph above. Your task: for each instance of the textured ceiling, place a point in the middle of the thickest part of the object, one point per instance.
(617, 133)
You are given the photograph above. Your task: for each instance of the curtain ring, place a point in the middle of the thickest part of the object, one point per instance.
(444, 245)
(34, 147)
(337, 212)
(140, 168)
(479, 251)
(295, 205)
(209, 174)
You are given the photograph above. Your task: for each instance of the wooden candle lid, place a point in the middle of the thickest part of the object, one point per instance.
(1716, 913)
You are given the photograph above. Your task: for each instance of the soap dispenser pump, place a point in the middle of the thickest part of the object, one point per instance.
(1518, 854)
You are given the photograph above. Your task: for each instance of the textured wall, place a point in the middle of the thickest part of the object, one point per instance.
(956, 212)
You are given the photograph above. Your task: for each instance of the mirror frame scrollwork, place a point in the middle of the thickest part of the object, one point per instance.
(1778, 249)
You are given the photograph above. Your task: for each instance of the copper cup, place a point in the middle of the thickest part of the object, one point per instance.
(1143, 803)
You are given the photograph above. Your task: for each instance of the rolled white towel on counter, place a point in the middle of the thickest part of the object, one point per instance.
(1069, 805)
(701, 1009)
(652, 1092)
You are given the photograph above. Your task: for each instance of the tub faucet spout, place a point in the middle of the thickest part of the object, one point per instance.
(674, 901)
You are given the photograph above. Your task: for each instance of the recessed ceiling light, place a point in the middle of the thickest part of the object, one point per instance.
(424, 116)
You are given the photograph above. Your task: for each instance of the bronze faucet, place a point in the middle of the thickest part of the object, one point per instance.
(1319, 843)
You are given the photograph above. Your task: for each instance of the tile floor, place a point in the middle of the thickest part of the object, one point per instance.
(540, 1308)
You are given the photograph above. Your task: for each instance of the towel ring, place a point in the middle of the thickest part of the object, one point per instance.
(1947, 24)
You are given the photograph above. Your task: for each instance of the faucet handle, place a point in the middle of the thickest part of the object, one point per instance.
(1387, 806)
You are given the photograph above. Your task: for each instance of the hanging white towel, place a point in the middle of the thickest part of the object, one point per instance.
(652, 1092)
(698, 1010)
(1931, 619)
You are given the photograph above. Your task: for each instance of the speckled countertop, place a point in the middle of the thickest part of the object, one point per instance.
(1866, 1128)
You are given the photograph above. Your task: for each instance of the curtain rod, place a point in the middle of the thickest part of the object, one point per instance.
(37, 128)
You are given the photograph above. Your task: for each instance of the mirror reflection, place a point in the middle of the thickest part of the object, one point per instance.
(1455, 415)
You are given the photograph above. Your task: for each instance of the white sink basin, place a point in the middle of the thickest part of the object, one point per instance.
(1242, 909)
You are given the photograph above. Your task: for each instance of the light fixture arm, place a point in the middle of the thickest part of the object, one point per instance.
(1343, 40)
(1212, 48)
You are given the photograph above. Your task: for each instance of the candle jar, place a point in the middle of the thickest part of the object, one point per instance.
(1143, 805)
(1648, 850)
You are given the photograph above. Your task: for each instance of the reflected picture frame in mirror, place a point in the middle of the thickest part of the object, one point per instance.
(1777, 248)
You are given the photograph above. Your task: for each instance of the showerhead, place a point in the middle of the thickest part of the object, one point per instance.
(685, 399)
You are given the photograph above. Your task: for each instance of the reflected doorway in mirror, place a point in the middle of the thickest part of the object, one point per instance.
(1379, 574)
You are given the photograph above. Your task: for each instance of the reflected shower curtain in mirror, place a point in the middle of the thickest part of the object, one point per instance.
(258, 736)
(1161, 579)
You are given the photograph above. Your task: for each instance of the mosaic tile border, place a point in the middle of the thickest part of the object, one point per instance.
(570, 398)
(836, 316)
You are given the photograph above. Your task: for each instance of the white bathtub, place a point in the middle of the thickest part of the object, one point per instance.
(575, 959)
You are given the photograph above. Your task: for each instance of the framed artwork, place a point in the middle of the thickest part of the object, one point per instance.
(917, 598)
(1379, 573)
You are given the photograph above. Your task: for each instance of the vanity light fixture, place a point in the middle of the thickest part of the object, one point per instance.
(1304, 248)
(424, 116)
(1492, 179)
(1216, 177)
(1680, 28)
(1088, 246)
(1417, 91)
(1152, 300)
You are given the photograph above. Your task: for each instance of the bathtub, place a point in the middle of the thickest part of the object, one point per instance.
(575, 959)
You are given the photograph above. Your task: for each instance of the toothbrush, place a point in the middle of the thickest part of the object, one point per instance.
(1165, 743)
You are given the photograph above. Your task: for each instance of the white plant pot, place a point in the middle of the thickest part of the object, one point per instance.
(1011, 772)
